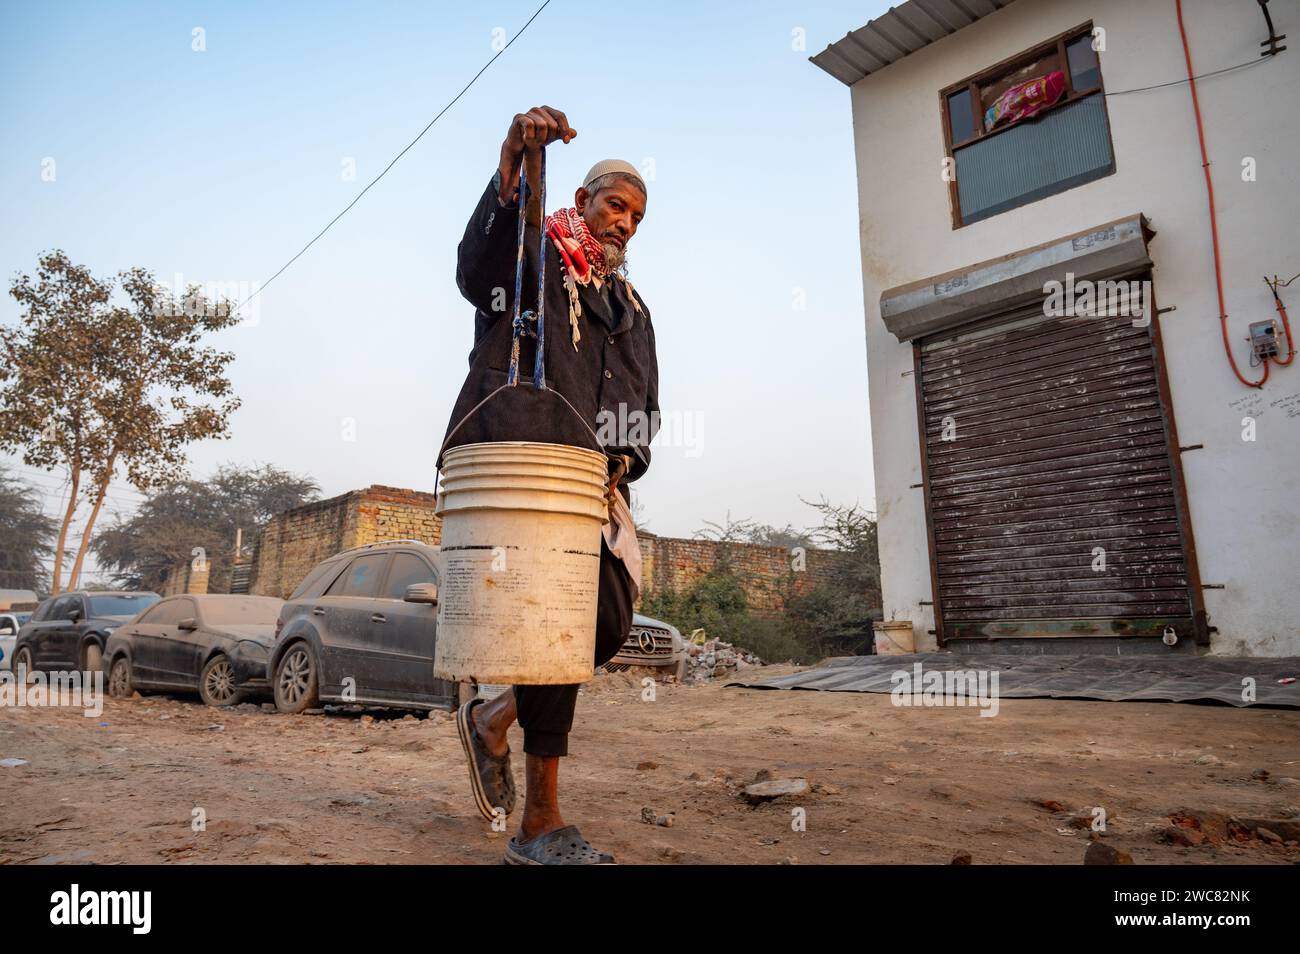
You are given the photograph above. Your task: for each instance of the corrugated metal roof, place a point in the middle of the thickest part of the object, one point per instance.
(902, 30)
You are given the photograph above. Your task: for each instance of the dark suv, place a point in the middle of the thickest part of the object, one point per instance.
(68, 632)
(360, 629)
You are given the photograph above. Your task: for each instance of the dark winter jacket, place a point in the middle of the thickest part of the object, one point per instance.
(613, 369)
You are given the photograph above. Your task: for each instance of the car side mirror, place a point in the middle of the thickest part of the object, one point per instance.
(422, 593)
(188, 623)
(74, 614)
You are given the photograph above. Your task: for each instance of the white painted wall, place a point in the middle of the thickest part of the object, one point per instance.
(1244, 497)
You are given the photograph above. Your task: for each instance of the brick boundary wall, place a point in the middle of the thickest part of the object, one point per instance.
(676, 563)
(187, 578)
(295, 541)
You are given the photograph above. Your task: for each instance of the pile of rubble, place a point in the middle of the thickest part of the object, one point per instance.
(715, 659)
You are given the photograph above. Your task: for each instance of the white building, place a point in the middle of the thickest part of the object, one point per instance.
(1090, 479)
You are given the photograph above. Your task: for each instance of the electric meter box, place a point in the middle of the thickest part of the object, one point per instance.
(1263, 338)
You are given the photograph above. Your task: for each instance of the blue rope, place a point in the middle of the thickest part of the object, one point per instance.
(539, 363)
(520, 322)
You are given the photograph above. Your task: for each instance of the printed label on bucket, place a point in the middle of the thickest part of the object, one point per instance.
(536, 629)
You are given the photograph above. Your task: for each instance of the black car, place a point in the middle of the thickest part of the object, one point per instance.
(68, 632)
(217, 644)
(360, 629)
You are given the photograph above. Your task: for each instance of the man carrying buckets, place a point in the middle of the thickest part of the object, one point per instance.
(600, 361)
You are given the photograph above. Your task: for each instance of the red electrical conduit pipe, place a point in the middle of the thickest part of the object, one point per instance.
(1286, 322)
(1214, 224)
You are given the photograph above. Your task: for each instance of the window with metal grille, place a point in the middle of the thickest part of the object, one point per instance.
(1029, 127)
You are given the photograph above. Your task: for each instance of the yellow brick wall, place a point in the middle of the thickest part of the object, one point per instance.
(675, 563)
(297, 540)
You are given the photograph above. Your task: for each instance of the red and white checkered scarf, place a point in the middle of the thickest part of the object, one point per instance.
(581, 252)
(584, 260)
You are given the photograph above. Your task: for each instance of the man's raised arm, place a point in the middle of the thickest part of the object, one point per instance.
(485, 261)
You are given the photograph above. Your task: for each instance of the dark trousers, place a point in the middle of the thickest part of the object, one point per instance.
(546, 712)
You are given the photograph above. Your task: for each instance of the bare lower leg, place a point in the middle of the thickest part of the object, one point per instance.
(542, 800)
(493, 718)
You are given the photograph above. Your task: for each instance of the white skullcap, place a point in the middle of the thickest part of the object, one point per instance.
(606, 166)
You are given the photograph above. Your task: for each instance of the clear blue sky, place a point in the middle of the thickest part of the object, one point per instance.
(221, 164)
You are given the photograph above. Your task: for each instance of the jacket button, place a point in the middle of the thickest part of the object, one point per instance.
(609, 373)
(610, 339)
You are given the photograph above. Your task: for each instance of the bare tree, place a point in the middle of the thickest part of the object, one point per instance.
(729, 531)
(747, 530)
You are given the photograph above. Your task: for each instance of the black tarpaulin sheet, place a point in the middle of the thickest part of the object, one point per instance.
(1110, 678)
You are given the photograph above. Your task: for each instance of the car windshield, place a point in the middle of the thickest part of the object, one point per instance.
(237, 611)
(128, 604)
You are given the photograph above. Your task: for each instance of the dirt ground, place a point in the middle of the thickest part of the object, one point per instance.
(889, 784)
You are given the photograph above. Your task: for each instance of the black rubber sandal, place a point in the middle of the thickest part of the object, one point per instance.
(490, 777)
(564, 846)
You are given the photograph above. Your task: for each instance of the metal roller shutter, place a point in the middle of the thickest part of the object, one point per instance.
(1053, 500)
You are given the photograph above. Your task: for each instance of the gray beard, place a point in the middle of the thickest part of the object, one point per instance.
(615, 257)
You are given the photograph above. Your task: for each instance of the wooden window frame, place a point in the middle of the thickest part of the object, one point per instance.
(973, 82)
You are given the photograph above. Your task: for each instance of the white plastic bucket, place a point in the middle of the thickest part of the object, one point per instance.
(894, 637)
(520, 562)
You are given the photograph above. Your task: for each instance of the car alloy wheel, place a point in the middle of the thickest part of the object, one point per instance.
(119, 678)
(295, 680)
(217, 683)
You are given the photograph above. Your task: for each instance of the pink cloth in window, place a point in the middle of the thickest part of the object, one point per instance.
(1025, 99)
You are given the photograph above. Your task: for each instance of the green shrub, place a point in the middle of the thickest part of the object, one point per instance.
(717, 602)
(831, 619)
(776, 641)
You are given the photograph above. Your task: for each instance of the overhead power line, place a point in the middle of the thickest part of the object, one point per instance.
(349, 206)
(1226, 69)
